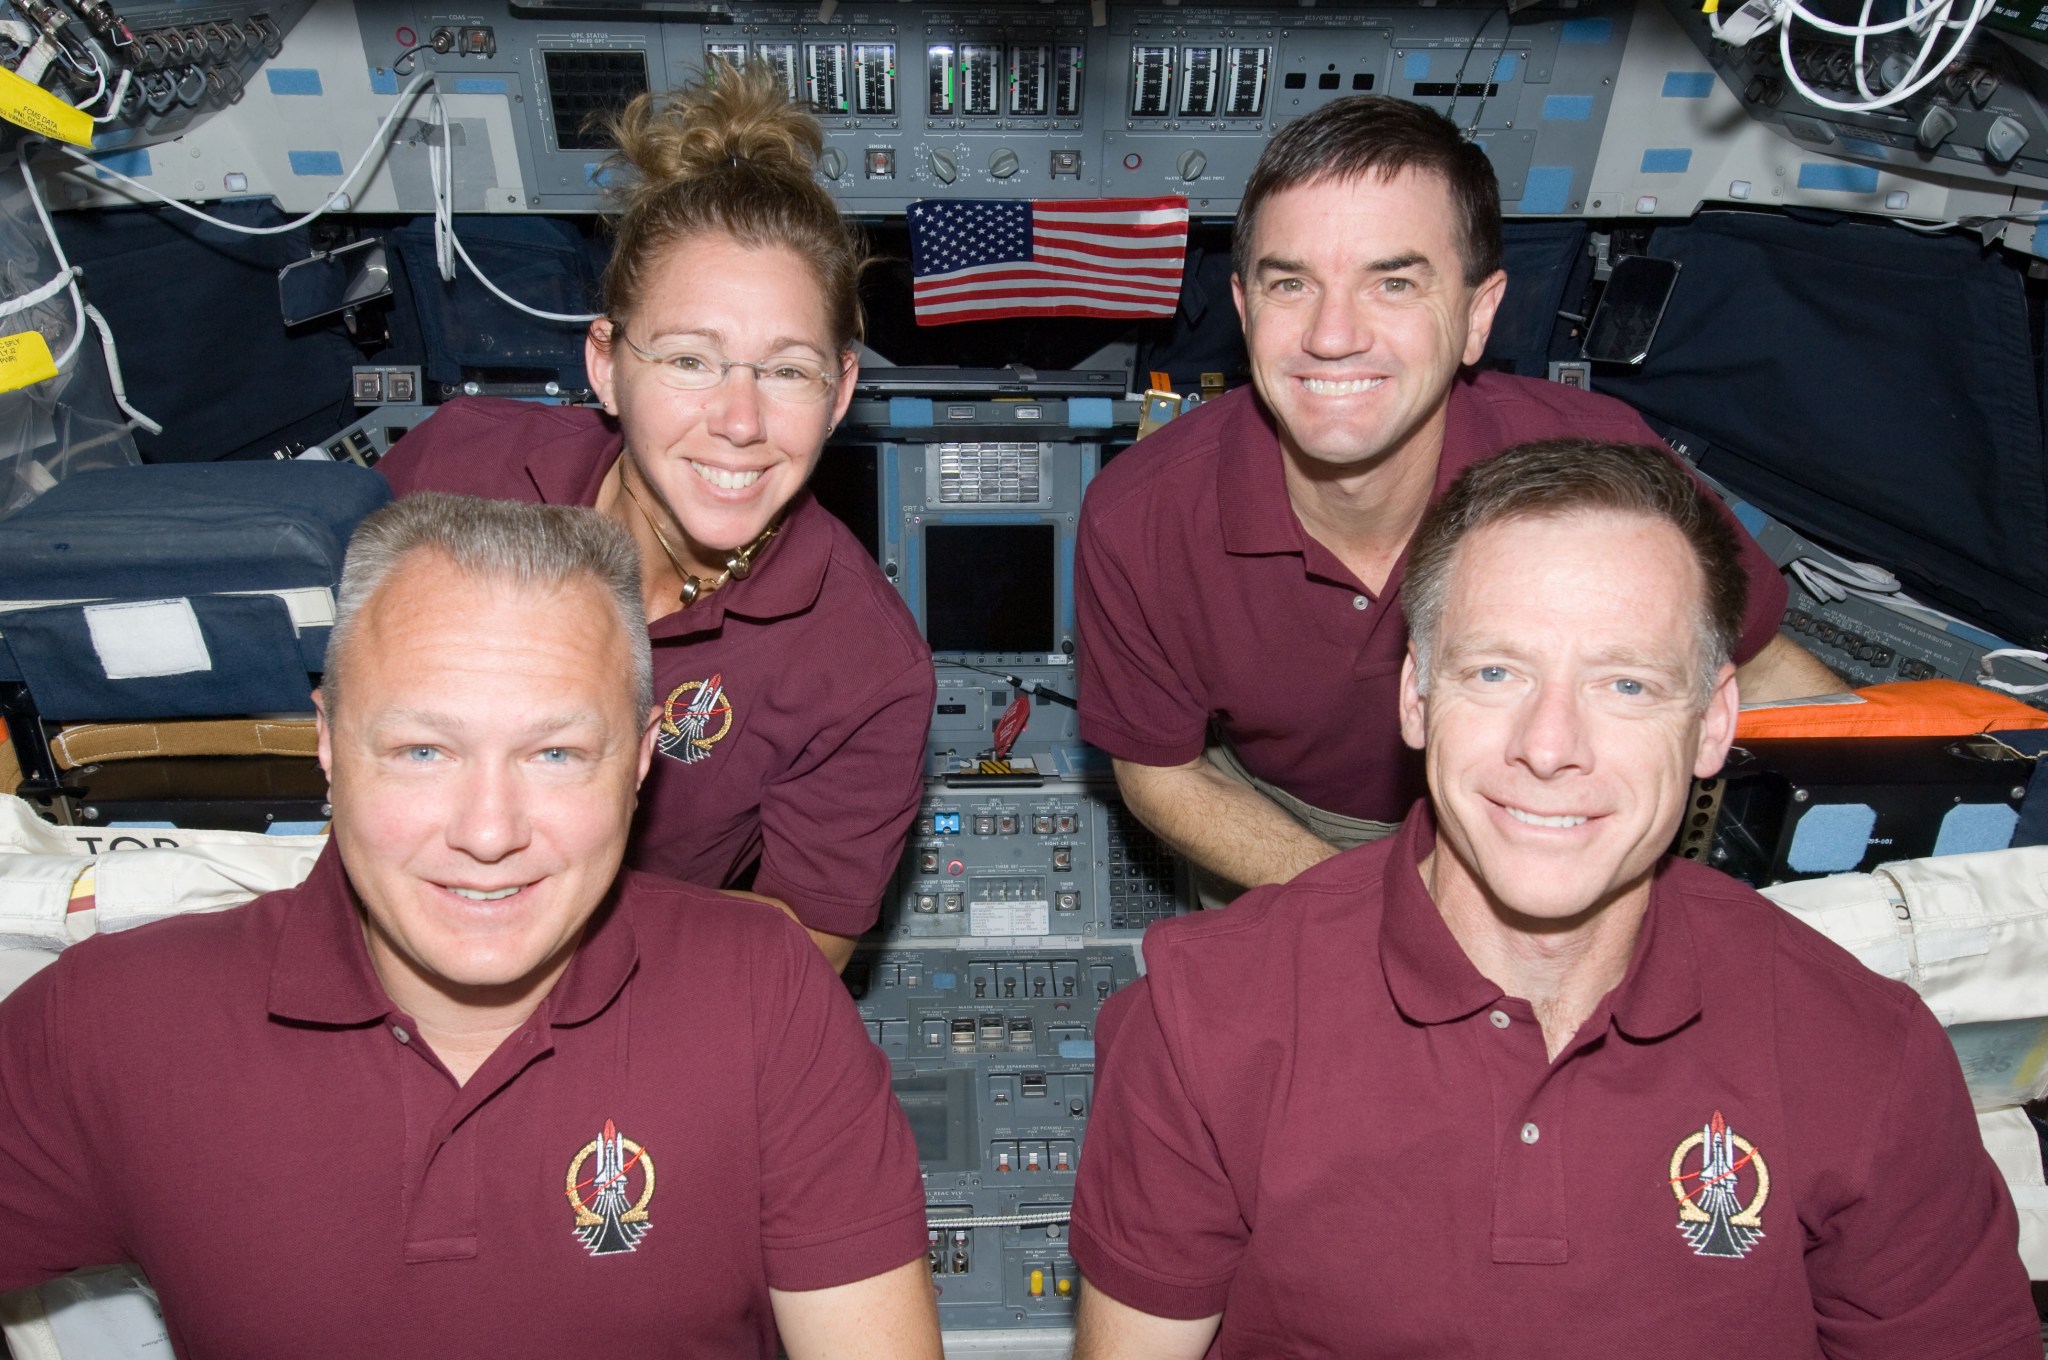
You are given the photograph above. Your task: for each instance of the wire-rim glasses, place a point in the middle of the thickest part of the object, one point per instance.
(697, 367)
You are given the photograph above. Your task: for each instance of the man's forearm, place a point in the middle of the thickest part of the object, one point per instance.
(837, 949)
(1785, 670)
(1226, 827)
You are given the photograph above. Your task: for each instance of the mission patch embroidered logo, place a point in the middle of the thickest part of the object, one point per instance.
(694, 718)
(611, 1182)
(1722, 1183)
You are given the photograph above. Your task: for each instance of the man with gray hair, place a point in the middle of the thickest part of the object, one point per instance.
(417, 1105)
(1513, 1081)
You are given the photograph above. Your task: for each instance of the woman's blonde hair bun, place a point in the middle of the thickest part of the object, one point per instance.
(731, 153)
(736, 118)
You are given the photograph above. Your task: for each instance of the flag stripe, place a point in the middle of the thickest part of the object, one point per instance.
(1066, 268)
(1169, 250)
(1038, 287)
(997, 276)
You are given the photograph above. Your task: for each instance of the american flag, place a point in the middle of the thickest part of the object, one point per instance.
(978, 259)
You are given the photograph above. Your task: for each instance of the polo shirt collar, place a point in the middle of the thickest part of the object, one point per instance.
(1660, 993)
(321, 971)
(606, 958)
(1432, 981)
(1251, 482)
(786, 579)
(564, 472)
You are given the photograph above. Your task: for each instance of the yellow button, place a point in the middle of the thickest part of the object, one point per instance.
(1063, 1288)
(1037, 1284)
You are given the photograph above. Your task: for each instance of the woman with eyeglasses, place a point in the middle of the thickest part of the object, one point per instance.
(795, 691)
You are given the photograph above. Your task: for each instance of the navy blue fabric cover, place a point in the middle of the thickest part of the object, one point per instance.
(188, 528)
(192, 530)
(1873, 388)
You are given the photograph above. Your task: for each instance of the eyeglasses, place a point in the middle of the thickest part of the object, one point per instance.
(699, 368)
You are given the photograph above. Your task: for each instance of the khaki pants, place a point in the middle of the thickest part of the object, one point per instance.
(1343, 832)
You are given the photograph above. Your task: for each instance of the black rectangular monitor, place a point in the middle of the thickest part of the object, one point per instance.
(990, 587)
(844, 483)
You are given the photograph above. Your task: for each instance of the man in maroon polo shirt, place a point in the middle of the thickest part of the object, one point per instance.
(470, 1089)
(1512, 1082)
(1238, 575)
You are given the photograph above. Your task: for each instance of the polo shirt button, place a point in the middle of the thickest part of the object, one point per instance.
(1360, 602)
(1530, 1133)
(399, 1034)
(1499, 1019)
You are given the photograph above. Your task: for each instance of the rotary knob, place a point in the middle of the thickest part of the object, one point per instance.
(944, 167)
(832, 163)
(1003, 163)
(1191, 165)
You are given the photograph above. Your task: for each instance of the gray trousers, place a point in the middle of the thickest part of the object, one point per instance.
(1213, 892)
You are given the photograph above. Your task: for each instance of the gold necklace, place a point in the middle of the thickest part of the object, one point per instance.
(737, 563)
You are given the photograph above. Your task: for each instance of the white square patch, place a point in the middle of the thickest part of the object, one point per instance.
(145, 638)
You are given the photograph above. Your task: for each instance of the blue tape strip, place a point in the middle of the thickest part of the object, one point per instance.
(293, 79)
(482, 85)
(1587, 32)
(294, 828)
(1547, 189)
(1749, 517)
(945, 982)
(1505, 68)
(142, 826)
(1974, 827)
(1688, 84)
(1568, 108)
(1090, 413)
(1667, 160)
(911, 412)
(315, 162)
(1077, 1048)
(135, 164)
(383, 82)
(1857, 146)
(1832, 838)
(1415, 66)
(1832, 177)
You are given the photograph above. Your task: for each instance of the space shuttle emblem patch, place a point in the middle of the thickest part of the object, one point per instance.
(1722, 1183)
(694, 718)
(611, 1182)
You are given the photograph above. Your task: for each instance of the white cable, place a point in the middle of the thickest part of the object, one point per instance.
(101, 72)
(67, 278)
(440, 165)
(447, 245)
(41, 293)
(1856, 65)
(1914, 81)
(120, 98)
(1985, 678)
(1863, 27)
(64, 269)
(377, 145)
(114, 372)
(1840, 578)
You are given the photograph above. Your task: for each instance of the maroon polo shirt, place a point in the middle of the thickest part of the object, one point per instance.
(1200, 597)
(232, 1102)
(1315, 1117)
(813, 687)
